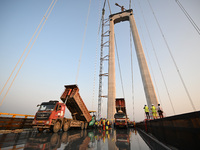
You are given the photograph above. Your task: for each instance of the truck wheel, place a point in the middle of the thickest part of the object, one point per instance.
(82, 126)
(56, 127)
(66, 126)
(40, 130)
(86, 125)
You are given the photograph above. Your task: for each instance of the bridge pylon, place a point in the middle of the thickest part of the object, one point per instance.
(150, 93)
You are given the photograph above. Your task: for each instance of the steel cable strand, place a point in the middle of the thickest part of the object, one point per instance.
(145, 47)
(25, 49)
(99, 22)
(163, 78)
(119, 68)
(180, 76)
(188, 16)
(27, 53)
(83, 42)
(132, 81)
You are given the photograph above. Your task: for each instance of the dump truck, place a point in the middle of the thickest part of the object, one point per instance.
(50, 115)
(120, 116)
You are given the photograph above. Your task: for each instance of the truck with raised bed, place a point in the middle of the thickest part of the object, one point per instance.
(120, 116)
(50, 115)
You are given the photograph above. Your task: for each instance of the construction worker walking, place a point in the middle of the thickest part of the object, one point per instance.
(154, 112)
(146, 109)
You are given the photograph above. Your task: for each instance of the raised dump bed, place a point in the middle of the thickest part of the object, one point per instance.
(75, 104)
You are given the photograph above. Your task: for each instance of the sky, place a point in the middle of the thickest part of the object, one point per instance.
(54, 58)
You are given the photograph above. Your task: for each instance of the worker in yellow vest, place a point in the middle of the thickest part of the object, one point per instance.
(107, 124)
(96, 124)
(146, 109)
(154, 112)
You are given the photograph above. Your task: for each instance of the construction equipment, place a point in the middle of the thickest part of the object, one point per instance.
(120, 116)
(122, 7)
(51, 114)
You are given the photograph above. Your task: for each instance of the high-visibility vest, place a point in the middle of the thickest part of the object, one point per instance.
(146, 109)
(108, 123)
(104, 122)
(153, 108)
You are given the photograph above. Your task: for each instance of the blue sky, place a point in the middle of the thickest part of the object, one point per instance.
(53, 60)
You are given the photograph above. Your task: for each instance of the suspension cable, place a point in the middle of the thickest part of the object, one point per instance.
(97, 42)
(25, 49)
(83, 42)
(157, 61)
(119, 69)
(109, 6)
(190, 99)
(132, 83)
(130, 8)
(145, 47)
(188, 17)
(28, 51)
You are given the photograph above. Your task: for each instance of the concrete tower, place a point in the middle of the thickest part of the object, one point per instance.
(146, 77)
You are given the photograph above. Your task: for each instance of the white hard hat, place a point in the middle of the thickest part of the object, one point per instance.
(152, 104)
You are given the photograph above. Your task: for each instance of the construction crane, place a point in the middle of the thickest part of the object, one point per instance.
(122, 7)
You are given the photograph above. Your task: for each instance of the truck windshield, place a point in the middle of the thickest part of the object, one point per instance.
(46, 107)
(120, 115)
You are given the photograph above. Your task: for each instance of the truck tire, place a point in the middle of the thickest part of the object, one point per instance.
(66, 126)
(86, 125)
(82, 126)
(56, 127)
(40, 130)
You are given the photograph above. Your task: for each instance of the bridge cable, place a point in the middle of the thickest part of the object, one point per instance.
(149, 60)
(83, 42)
(97, 42)
(157, 61)
(190, 99)
(25, 49)
(109, 7)
(132, 81)
(188, 17)
(119, 68)
(28, 51)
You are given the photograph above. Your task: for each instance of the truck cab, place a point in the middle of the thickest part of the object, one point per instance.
(50, 115)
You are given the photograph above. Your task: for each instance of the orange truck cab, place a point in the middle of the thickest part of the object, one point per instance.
(50, 115)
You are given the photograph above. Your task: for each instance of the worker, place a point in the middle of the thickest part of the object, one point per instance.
(146, 109)
(104, 124)
(107, 124)
(160, 111)
(154, 112)
(96, 124)
(100, 123)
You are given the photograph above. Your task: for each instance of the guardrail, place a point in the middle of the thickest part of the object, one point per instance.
(11, 123)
